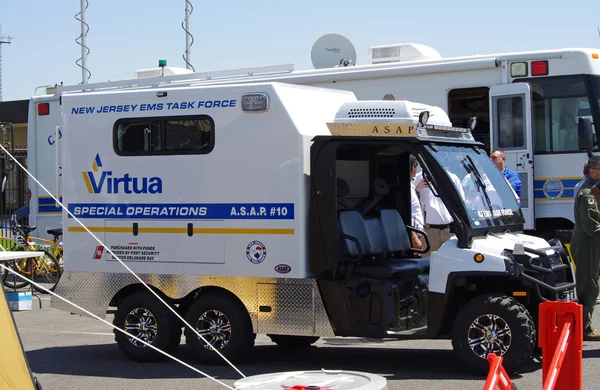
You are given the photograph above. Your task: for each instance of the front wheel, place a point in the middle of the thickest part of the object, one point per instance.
(496, 324)
(13, 281)
(142, 315)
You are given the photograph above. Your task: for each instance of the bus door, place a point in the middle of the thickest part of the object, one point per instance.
(512, 132)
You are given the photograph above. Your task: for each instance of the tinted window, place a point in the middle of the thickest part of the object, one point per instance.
(172, 135)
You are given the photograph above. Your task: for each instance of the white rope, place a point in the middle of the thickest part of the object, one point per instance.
(113, 326)
(123, 264)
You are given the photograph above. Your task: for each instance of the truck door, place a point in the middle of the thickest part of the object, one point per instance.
(511, 132)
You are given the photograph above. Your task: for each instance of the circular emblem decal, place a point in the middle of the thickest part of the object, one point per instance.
(256, 252)
(553, 188)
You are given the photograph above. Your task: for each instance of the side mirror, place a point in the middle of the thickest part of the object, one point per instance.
(584, 134)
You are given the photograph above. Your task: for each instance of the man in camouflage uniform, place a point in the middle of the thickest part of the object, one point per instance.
(585, 246)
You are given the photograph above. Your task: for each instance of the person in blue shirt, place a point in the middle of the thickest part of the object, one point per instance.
(499, 158)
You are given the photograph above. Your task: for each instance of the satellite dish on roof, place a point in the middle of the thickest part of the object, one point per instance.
(333, 50)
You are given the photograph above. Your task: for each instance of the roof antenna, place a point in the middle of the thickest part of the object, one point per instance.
(189, 39)
(3, 40)
(84, 49)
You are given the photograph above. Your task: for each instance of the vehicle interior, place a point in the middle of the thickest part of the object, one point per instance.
(372, 281)
(374, 214)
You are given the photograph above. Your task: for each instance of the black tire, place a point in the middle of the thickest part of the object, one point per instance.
(508, 313)
(234, 336)
(285, 341)
(13, 281)
(144, 306)
(53, 277)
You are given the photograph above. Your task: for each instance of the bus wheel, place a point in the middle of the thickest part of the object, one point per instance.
(223, 323)
(142, 315)
(293, 341)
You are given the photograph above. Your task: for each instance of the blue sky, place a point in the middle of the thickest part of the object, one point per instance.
(126, 35)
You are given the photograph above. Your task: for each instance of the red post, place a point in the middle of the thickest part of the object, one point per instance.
(560, 336)
(559, 356)
(497, 376)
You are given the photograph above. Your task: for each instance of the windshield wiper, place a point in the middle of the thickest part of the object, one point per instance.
(470, 168)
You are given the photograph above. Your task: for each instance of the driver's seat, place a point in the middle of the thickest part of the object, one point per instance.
(396, 235)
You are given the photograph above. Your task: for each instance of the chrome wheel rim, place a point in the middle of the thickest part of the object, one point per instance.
(215, 328)
(142, 324)
(489, 333)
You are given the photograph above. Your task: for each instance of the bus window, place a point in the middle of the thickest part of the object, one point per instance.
(558, 103)
(464, 103)
(511, 131)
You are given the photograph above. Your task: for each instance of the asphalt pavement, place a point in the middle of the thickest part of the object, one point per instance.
(67, 351)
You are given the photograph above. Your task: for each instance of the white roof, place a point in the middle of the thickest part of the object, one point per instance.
(390, 111)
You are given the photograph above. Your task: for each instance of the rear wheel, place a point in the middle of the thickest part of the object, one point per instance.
(293, 341)
(142, 315)
(47, 271)
(493, 323)
(224, 323)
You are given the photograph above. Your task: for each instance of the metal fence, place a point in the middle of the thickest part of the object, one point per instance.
(14, 195)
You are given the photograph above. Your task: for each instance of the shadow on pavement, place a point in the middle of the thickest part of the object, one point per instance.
(393, 363)
(591, 353)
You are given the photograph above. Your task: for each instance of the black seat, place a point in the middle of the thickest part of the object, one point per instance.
(365, 244)
(26, 229)
(396, 235)
(55, 232)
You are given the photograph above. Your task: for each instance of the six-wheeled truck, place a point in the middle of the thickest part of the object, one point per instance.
(285, 210)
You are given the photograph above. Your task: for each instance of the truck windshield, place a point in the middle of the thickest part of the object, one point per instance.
(487, 196)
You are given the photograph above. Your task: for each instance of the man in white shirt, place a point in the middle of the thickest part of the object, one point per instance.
(417, 220)
(437, 216)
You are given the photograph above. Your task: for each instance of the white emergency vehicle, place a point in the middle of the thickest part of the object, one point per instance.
(529, 104)
(282, 209)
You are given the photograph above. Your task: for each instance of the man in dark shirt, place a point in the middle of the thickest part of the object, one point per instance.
(499, 158)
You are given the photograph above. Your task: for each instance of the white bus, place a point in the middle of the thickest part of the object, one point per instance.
(527, 104)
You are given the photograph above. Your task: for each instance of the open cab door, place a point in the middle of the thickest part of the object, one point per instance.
(511, 127)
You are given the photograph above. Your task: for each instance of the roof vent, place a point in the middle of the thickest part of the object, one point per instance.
(402, 52)
(390, 111)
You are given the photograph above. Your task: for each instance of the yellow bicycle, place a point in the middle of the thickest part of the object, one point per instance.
(44, 270)
(54, 246)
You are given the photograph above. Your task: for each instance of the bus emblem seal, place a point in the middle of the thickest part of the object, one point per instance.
(256, 252)
(553, 188)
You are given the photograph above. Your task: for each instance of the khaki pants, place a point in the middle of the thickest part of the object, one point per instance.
(436, 238)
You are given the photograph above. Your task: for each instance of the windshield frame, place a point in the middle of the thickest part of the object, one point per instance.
(465, 226)
(592, 85)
